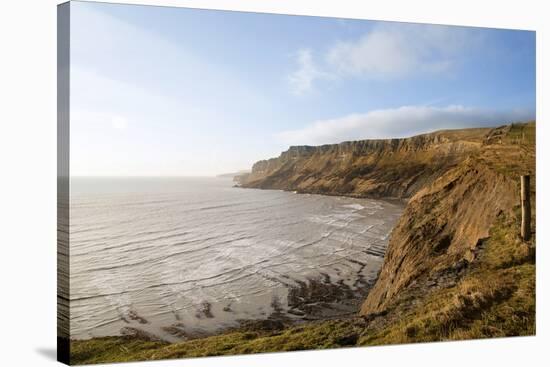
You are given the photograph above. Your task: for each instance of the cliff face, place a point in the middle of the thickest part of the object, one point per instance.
(367, 168)
(458, 184)
(446, 221)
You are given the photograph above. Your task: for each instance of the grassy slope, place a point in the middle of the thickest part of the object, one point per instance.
(494, 296)
(444, 221)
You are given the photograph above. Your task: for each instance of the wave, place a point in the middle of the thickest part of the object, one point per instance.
(159, 252)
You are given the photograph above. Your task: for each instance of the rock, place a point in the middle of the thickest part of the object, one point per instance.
(347, 340)
(204, 310)
(133, 315)
(131, 332)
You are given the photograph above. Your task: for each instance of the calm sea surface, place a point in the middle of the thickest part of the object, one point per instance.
(196, 255)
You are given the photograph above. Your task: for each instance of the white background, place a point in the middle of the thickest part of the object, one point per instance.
(28, 182)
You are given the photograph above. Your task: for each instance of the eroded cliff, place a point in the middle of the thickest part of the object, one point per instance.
(366, 168)
(445, 223)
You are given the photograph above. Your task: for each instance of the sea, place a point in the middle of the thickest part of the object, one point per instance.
(178, 257)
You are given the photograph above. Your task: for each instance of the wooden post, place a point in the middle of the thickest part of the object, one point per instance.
(525, 208)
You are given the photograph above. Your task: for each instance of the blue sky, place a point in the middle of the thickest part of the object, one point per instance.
(174, 91)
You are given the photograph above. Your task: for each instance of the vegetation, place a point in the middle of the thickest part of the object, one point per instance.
(492, 295)
(495, 298)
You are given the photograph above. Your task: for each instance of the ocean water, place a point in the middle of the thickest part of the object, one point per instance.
(177, 257)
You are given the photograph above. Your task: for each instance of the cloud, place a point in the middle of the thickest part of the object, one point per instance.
(389, 51)
(301, 81)
(141, 101)
(398, 122)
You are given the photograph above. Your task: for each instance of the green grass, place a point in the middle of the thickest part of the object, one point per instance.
(323, 335)
(495, 298)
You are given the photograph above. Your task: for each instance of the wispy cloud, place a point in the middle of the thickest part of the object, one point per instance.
(398, 122)
(301, 80)
(145, 104)
(389, 51)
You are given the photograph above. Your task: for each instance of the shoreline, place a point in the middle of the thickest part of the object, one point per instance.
(312, 301)
(396, 200)
(325, 294)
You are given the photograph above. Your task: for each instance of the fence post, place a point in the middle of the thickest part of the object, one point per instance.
(525, 208)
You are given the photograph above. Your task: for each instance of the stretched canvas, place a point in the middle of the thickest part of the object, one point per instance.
(234, 183)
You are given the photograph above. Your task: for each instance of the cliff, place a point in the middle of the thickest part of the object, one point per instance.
(458, 183)
(366, 168)
(446, 222)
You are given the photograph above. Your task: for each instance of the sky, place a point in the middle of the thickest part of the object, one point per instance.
(163, 91)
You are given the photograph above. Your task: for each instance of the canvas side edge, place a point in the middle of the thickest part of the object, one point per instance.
(63, 182)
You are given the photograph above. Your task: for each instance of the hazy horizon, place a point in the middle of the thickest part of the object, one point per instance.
(244, 170)
(177, 92)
